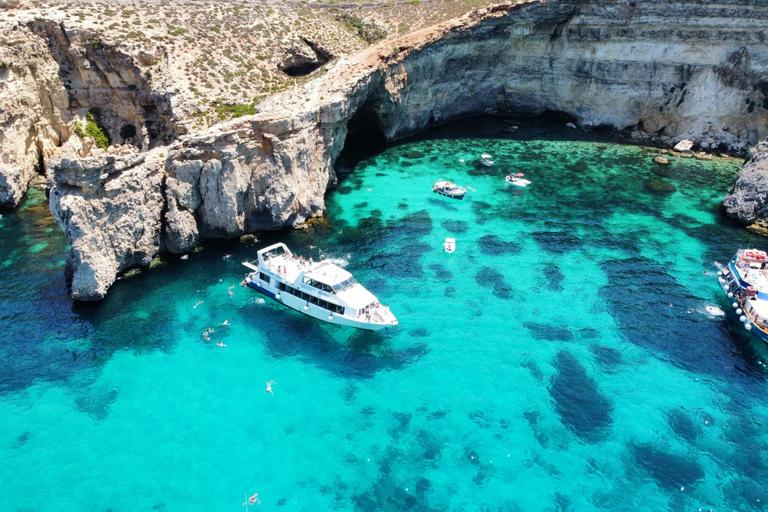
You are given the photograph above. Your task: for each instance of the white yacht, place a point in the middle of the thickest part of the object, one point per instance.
(486, 160)
(319, 289)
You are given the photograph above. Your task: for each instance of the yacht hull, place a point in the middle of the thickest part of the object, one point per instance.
(732, 282)
(312, 310)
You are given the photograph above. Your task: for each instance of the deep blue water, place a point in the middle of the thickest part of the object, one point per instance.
(561, 359)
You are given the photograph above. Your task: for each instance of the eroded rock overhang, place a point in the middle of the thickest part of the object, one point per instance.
(663, 69)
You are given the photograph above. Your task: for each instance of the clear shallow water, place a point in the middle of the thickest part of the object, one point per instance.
(539, 367)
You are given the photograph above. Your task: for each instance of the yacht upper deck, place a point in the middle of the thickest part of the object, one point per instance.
(753, 270)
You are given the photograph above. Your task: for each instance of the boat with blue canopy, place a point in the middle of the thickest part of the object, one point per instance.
(745, 282)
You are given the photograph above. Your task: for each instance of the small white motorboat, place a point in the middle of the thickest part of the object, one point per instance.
(486, 160)
(449, 245)
(517, 180)
(448, 189)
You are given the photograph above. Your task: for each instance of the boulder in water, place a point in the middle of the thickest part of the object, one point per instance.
(684, 145)
(659, 187)
(661, 159)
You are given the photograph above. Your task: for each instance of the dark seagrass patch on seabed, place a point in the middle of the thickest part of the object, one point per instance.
(578, 400)
(96, 403)
(493, 245)
(442, 274)
(556, 241)
(417, 223)
(548, 332)
(683, 425)
(455, 226)
(417, 249)
(609, 359)
(554, 277)
(589, 333)
(22, 439)
(532, 418)
(672, 472)
(491, 278)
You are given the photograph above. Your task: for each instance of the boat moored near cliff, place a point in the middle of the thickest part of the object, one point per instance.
(319, 289)
(517, 180)
(486, 160)
(448, 189)
(745, 281)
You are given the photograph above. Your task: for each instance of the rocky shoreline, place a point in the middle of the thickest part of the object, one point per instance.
(660, 71)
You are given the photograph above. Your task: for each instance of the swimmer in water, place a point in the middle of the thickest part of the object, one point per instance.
(197, 304)
(226, 322)
(221, 344)
(269, 387)
(230, 293)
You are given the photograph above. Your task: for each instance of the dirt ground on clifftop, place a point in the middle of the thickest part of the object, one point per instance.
(220, 60)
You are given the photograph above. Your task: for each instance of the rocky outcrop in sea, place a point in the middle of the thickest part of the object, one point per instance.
(747, 201)
(665, 71)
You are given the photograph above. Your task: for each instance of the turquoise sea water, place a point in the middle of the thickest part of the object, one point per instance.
(561, 359)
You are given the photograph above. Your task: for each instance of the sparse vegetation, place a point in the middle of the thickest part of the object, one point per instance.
(370, 32)
(233, 51)
(94, 129)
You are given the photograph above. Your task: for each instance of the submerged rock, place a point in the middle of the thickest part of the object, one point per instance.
(661, 160)
(659, 187)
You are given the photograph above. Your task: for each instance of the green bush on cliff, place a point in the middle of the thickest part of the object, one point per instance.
(232, 110)
(370, 32)
(95, 130)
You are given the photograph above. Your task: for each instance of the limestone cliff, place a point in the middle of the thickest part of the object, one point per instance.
(33, 111)
(664, 70)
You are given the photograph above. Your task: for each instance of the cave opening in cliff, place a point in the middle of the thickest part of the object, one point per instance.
(364, 137)
(301, 65)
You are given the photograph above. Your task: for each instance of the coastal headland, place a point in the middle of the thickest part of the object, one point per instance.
(141, 158)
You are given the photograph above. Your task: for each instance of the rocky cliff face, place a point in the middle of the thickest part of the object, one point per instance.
(670, 70)
(747, 201)
(50, 76)
(665, 70)
(33, 111)
(261, 172)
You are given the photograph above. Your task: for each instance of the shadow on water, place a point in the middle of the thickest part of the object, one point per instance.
(291, 334)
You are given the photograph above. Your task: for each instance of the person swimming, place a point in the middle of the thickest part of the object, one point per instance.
(269, 387)
(252, 500)
(197, 304)
(221, 344)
